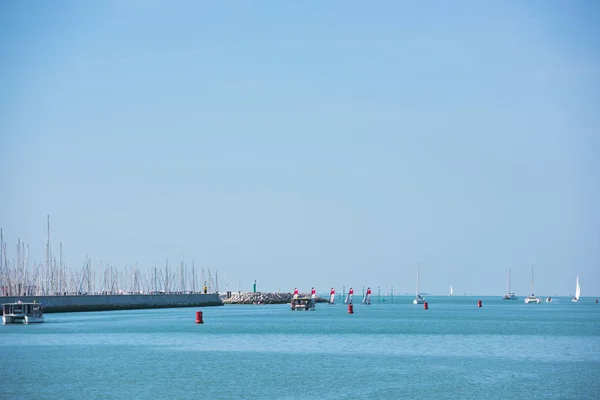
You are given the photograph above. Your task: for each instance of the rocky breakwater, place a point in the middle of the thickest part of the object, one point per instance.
(264, 298)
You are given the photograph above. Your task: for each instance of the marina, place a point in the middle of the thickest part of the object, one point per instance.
(24, 276)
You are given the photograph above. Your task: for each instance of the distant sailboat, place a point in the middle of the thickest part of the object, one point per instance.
(332, 296)
(418, 299)
(509, 295)
(350, 296)
(577, 292)
(532, 298)
(367, 298)
(451, 291)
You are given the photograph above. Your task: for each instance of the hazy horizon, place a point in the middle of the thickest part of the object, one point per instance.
(305, 144)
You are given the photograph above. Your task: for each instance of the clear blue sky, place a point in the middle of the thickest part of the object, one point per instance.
(308, 143)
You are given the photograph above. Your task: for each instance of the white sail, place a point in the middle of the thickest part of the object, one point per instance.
(350, 296)
(451, 291)
(577, 290)
(367, 298)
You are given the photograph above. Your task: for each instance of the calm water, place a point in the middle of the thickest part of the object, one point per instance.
(382, 351)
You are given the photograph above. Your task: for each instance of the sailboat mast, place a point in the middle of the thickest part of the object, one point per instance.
(193, 278)
(532, 287)
(417, 279)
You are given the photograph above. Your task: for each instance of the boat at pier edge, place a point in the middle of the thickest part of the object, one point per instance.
(19, 312)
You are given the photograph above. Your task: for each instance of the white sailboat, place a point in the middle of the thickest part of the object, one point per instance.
(532, 298)
(577, 292)
(350, 296)
(418, 299)
(451, 291)
(367, 298)
(509, 295)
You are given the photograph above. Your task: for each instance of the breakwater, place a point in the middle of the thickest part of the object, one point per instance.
(264, 298)
(117, 301)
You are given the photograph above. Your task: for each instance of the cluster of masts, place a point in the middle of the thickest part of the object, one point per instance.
(22, 276)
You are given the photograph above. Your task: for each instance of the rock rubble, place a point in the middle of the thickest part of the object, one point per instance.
(263, 298)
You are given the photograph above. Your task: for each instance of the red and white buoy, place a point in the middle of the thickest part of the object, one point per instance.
(199, 317)
(350, 308)
(479, 303)
(425, 306)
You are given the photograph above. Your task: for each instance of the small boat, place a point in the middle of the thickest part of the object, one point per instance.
(549, 299)
(532, 298)
(451, 291)
(303, 304)
(575, 298)
(418, 299)
(19, 312)
(332, 296)
(509, 295)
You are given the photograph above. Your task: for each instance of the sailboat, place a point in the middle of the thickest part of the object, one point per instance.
(350, 296)
(367, 298)
(509, 295)
(532, 298)
(418, 299)
(575, 299)
(451, 291)
(332, 296)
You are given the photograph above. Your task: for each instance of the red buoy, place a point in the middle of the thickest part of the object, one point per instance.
(479, 303)
(425, 306)
(350, 308)
(199, 317)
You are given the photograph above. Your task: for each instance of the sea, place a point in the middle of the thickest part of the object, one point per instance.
(390, 349)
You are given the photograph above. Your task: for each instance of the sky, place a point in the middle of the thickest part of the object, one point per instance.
(302, 144)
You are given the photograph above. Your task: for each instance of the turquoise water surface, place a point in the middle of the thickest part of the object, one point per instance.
(454, 350)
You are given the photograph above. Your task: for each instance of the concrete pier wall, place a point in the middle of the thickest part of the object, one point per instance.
(117, 302)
